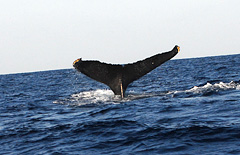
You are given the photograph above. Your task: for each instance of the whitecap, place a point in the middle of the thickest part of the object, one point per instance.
(208, 87)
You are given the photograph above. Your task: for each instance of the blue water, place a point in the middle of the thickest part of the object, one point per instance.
(187, 106)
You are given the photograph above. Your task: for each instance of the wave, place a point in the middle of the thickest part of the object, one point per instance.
(105, 96)
(101, 96)
(143, 138)
(215, 87)
(209, 89)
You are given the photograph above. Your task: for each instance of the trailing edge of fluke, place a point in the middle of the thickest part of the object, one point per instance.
(118, 77)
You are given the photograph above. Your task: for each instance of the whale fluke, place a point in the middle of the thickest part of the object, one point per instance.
(118, 77)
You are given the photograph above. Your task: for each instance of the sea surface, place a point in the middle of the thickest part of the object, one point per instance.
(186, 106)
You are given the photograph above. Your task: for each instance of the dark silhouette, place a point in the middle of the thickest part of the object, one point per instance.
(118, 77)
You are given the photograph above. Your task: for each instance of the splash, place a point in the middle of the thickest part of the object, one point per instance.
(215, 87)
(105, 96)
(102, 96)
(89, 97)
(209, 89)
(94, 96)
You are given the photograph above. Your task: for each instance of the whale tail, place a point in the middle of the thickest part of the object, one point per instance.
(118, 77)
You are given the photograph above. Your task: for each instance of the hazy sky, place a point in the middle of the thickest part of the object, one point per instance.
(50, 34)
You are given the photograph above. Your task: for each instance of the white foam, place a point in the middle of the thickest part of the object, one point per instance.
(216, 87)
(90, 97)
(100, 96)
(94, 96)
(211, 87)
(104, 96)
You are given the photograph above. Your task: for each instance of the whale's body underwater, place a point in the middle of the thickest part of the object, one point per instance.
(118, 77)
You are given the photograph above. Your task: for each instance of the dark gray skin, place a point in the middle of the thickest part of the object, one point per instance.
(118, 77)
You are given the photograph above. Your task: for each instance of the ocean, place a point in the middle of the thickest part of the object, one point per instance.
(185, 106)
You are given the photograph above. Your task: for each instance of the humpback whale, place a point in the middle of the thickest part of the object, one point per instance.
(118, 77)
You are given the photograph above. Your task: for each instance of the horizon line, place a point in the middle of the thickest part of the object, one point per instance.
(26, 72)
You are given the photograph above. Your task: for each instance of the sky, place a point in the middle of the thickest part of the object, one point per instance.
(38, 35)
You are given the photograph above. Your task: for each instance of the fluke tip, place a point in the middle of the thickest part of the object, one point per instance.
(178, 48)
(76, 61)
